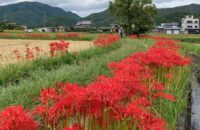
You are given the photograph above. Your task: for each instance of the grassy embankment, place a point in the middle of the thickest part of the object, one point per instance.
(81, 72)
(48, 36)
(195, 48)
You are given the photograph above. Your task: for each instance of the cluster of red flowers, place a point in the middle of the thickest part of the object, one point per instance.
(28, 54)
(133, 36)
(4, 35)
(122, 101)
(106, 39)
(36, 35)
(58, 47)
(124, 96)
(15, 118)
(163, 53)
(157, 38)
(32, 52)
(68, 35)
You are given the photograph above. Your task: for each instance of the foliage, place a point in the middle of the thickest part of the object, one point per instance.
(163, 15)
(7, 26)
(89, 64)
(142, 92)
(1, 29)
(137, 16)
(57, 16)
(33, 13)
(191, 47)
(177, 13)
(101, 19)
(106, 39)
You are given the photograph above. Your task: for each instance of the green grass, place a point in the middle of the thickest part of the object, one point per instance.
(191, 47)
(192, 38)
(13, 74)
(27, 91)
(188, 39)
(171, 111)
(52, 36)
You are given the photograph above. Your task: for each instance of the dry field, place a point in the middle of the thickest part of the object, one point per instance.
(7, 46)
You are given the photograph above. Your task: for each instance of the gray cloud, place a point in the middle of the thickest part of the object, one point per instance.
(174, 3)
(85, 7)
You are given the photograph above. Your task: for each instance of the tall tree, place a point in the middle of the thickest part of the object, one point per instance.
(137, 16)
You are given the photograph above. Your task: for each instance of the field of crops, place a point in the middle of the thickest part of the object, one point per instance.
(8, 46)
(105, 84)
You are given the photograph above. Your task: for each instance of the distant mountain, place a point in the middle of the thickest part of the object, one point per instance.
(164, 15)
(35, 13)
(101, 19)
(177, 13)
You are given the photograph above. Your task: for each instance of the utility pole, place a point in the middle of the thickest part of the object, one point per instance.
(44, 20)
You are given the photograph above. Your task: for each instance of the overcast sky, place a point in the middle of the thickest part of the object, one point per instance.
(85, 7)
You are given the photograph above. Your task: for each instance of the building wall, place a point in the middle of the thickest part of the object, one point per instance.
(189, 22)
(172, 31)
(176, 32)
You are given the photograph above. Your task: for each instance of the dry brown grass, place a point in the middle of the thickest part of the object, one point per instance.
(7, 46)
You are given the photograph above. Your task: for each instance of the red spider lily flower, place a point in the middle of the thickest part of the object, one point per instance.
(165, 96)
(133, 36)
(150, 122)
(58, 47)
(162, 57)
(133, 110)
(38, 50)
(106, 39)
(168, 76)
(128, 94)
(47, 95)
(4, 35)
(36, 35)
(158, 86)
(74, 127)
(69, 35)
(15, 118)
(145, 120)
(17, 54)
(40, 110)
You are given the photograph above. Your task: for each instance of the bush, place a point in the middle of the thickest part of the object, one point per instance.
(1, 29)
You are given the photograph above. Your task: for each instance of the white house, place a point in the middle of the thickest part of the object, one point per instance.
(169, 28)
(190, 25)
(61, 28)
(46, 29)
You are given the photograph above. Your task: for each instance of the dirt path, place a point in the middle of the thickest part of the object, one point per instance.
(7, 47)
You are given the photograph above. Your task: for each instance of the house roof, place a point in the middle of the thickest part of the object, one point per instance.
(84, 22)
(169, 24)
(173, 28)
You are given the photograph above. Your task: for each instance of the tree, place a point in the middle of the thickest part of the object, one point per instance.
(136, 16)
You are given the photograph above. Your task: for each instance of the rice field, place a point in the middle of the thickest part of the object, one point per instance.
(7, 46)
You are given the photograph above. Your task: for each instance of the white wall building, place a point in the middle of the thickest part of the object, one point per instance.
(190, 24)
(46, 29)
(168, 28)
